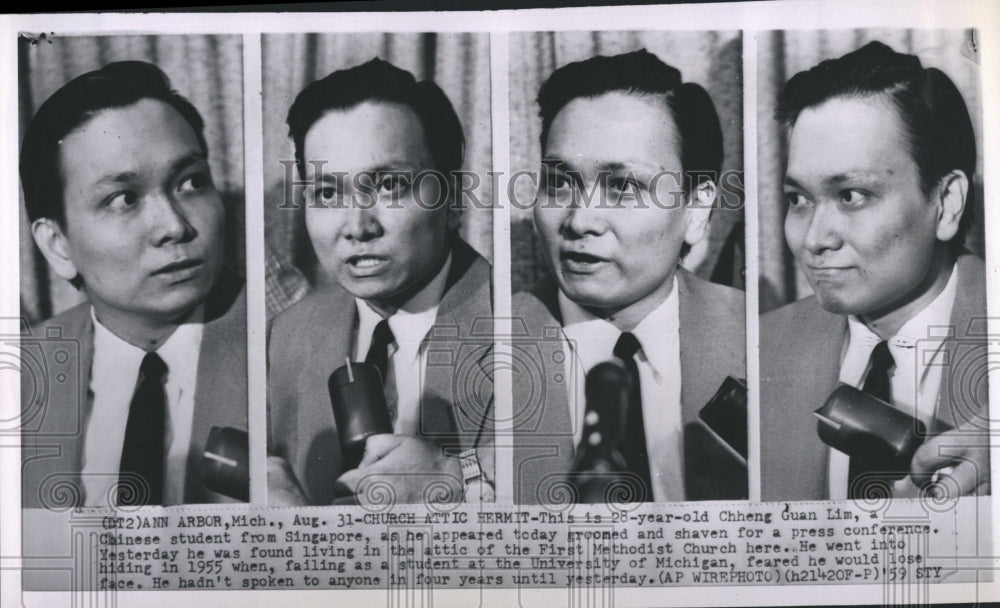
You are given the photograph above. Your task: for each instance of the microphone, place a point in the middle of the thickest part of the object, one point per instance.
(715, 446)
(225, 465)
(870, 430)
(359, 408)
(599, 464)
(725, 415)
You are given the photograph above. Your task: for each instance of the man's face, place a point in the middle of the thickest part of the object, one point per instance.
(620, 250)
(376, 229)
(859, 224)
(144, 222)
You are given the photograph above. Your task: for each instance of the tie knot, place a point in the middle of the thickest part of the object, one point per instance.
(882, 357)
(152, 368)
(382, 335)
(627, 346)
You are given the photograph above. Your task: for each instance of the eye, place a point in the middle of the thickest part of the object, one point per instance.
(392, 183)
(121, 201)
(195, 182)
(853, 198)
(624, 185)
(557, 183)
(795, 199)
(325, 193)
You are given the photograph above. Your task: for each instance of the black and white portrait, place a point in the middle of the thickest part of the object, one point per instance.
(873, 348)
(628, 267)
(378, 271)
(131, 266)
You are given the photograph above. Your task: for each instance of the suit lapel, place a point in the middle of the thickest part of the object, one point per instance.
(543, 422)
(221, 389)
(962, 397)
(707, 356)
(712, 347)
(459, 349)
(53, 455)
(809, 351)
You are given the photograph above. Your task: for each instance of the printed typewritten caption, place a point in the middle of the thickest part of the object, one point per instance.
(503, 547)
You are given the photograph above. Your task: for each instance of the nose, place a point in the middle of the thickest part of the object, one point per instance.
(169, 220)
(824, 229)
(362, 224)
(585, 218)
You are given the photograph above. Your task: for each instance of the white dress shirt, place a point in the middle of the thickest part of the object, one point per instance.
(916, 377)
(113, 380)
(410, 326)
(590, 340)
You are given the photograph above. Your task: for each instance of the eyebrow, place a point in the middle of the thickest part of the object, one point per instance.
(176, 167)
(393, 164)
(835, 180)
(606, 167)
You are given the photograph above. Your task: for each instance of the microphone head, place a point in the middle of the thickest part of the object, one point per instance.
(869, 429)
(598, 466)
(225, 464)
(607, 391)
(359, 408)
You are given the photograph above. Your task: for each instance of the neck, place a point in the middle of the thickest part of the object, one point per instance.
(142, 332)
(386, 307)
(626, 318)
(887, 323)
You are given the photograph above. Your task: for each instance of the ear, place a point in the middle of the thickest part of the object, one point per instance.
(950, 197)
(699, 209)
(454, 217)
(54, 246)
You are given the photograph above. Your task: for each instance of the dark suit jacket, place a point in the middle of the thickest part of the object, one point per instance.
(56, 397)
(311, 339)
(712, 346)
(800, 350)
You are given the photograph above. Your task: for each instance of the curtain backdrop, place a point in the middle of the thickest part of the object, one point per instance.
(711, 59)
(783, 54)
(208, 70)
(458, 63)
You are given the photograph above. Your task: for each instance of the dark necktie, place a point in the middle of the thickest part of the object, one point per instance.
(142, 452)
(863, 478)
(378, 355)
(634, 450)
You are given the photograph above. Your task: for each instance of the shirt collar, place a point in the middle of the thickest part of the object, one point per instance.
(122, 359)
(114, 358)
(177, 351)
(935, 314)
(918, 328)
(411, 322)
(594, 338)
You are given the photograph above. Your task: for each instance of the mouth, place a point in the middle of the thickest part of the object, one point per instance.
(366, 265)
(580, 262)
(828, 272)
(181, 270)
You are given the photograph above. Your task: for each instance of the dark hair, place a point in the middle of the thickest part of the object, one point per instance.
(933, 113)
(116, 85)
(379, 80)
(641, 72)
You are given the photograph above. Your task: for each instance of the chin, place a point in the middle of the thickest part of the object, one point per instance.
(591, 296)
(181, 307)
(839, 305)
(367, 290)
